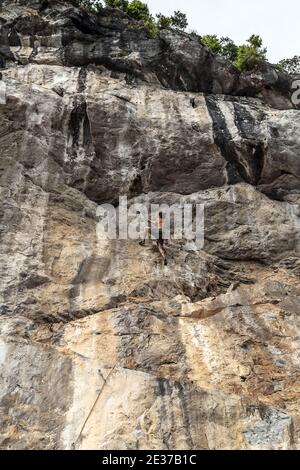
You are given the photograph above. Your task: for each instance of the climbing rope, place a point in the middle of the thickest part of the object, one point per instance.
(94, 405)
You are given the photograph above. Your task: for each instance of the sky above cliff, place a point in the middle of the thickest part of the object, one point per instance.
(276, 21)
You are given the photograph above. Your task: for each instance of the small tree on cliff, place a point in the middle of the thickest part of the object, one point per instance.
(120, 4)
(212, 42)
(229, 49)
(163, 22)
(224, 46)
(245, 57)
(250, 55)
(179, 20)
(138, 10)
(291, 66)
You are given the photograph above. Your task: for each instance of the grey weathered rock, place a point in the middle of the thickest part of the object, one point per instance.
(202, 354)
(56, 33)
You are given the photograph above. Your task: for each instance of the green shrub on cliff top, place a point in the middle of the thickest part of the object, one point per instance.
(179, 20)
(290, 65)
(140, 12)
(246, 57)
(221, 46)
(212, 42)
(250, 55)
(121, 4)
(163, 22)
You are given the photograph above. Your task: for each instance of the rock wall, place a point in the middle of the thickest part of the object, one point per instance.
(101, 346)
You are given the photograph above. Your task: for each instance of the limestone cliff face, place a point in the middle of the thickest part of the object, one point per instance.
(101, 347)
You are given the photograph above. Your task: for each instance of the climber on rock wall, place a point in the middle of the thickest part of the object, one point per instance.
(159, 236)
(160, 239)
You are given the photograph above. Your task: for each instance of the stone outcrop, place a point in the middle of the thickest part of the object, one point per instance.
(101, 346)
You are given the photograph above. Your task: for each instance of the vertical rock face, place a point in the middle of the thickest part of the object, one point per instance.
(101, 347)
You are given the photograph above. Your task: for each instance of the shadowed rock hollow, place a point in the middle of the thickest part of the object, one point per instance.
(101, 346)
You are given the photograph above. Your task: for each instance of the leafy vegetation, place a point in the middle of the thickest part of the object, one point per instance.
(179, 20)
(229, 49)
(245, 57)
(140, 12)
(121, 4)
(250, 55)
(291, 66)
(213, 43)
(163, 22)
